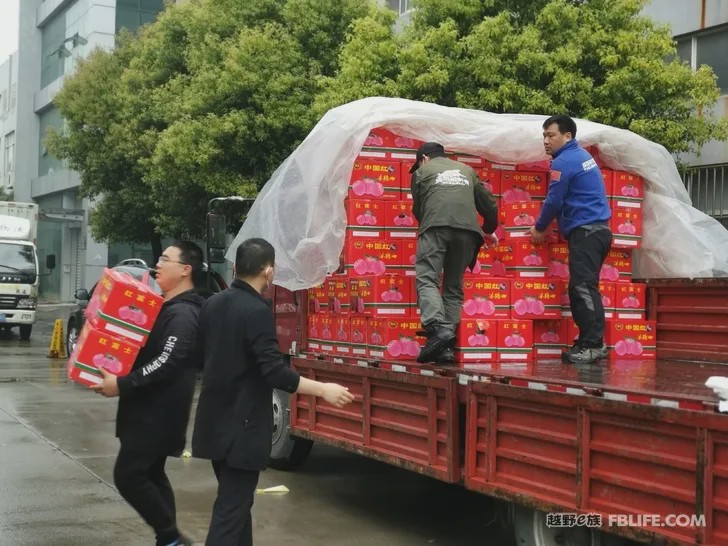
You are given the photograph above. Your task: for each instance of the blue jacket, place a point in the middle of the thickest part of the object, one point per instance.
(577, 195)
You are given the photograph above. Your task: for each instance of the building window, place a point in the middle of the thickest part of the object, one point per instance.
(9, 160)
(54, 50)
(46, 161)
(131, 14)
(685, 49)
(712, 48)
(400, 6)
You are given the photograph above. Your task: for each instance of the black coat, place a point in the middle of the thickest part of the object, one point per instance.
(156, 397)
(242, 365)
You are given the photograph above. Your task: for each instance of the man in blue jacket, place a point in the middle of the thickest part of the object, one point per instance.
(577, 198)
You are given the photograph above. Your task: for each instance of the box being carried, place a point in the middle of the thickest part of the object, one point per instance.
(96, 349)
(123, 306)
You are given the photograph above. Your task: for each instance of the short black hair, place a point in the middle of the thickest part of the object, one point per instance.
(253, 256)
(565, 123)
(190, 254)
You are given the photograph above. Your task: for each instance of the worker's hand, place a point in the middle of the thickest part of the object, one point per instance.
(537, 237)
(336, 395)
(491, 240)
(108, 387)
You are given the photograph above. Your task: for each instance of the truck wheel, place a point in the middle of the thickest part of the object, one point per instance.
(287, 452)
(25, 330)
(531, 530)
(71, 337)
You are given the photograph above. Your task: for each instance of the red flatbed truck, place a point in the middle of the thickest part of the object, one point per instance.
(613, 439)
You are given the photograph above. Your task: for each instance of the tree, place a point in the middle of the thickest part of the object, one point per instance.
(595, 59)
(6, 195)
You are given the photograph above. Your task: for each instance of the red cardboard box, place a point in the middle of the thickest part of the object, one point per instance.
(558, 261)
(537, 166)
(491, 179)
(632, 338)
(628, 190)
(609, 299)
(477, 340)
(406, 180)
(96, 349)
(365, 218)
(626, 225)
(486, 297)
(630, 300)
(342, 339)
(618, 266)
(572, 332)
(394, 339)
(382, 143)
(515, 339)
(337, 294)
(326, 334)
(565, 300)
(408, 254)
(523, 186)
(399, 220)
(517, 218)
(375, 179)
(529, 260)
(608, 177)
(358, 336)
(314, 333)
(318, 301)
(385, 295)
(473, 160)
(550, 337)
(536, 299)
(483, 262)
(123, 306)
(371, 257)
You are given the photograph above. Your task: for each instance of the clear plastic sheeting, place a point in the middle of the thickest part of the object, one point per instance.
(301, 208)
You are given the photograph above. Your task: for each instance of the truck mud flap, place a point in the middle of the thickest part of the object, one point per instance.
(563, 452)
(403, 419)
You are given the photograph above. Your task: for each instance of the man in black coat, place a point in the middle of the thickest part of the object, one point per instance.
(242, 365)
(156, 397)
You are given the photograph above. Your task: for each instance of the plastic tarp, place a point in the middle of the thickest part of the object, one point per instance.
(300, 210)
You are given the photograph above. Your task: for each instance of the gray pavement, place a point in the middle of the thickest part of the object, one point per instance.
(57, 450)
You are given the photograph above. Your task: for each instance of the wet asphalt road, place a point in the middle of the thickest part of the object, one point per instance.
(57, 451)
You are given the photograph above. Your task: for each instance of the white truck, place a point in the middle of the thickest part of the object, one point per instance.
(19, 273)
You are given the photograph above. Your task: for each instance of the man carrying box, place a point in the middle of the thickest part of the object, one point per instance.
(156, 397)
(578, 199)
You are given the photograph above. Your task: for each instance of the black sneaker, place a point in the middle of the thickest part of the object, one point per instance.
(446, 357)
(440, 340)
(587, 355)
(570, 351)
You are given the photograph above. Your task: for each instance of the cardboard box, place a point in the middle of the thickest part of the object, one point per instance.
(358, 336)
(399, 221)
(515, 339)
(382, 143)
(550, 337)
(365, 218)
(536, 299)
(314, 333)
(124, 307)
(572, 332)
(371, 257)
(626, 226)
(628, 190)
(406, 180)
(558, 266)
(408, 254)
(326, 334)
(385, 295)
(486, 297)
(473, 160)
(318, 301)
(96, 349)
(342, 337)
(483, 262)
(476, 341)
(375, 179)
(529, 260)
(609, 297)
(524, 186)
(632, 338)
(337, 294)
(536, 166)
(565, 300)
(617, 266)
(630, 300)
(491, 179)
(517, 218)
(394, 339)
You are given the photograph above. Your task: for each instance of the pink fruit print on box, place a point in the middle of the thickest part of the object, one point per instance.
(522, 186)
(98, 349)
(565, 299)
(627, 190)
(361, 295)
(408, 255)
(342, 341)
(399, 221)
(632, 338)
(515, 339)
(483, 262)
(609, 297)
(477, 340)
(626, 225)
(394, 339)
(124, 307)
(491, 179)
(536, 299)
(529, 260)
(375, 179)
(370, 257)
(337, 293)
(365, 218)
(631, 300)
(617, 266)
(326, 333)
(394, 295)
(318, 301)
(486, 297)
(314, 333)
(358, 336)
(549, 337)
(558, 266)
(517, 218)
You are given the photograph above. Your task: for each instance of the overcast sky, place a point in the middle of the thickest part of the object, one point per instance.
(8, 28)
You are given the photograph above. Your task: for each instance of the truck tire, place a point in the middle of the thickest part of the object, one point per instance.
(71, 337)
(531, 530)
(287, 452)
(25, 330)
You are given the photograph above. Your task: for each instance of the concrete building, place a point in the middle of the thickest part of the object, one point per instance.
(54, 35)
(8, 121)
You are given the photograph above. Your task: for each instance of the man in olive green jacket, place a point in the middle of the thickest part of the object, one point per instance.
(447, 198)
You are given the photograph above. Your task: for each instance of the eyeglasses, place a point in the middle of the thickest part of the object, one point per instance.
(165, 259)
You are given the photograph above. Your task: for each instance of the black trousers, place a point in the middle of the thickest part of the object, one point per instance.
(588, 248)
(141, 480)
(232, 523)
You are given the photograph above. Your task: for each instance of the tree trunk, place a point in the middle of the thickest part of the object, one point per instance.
(156, 248)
